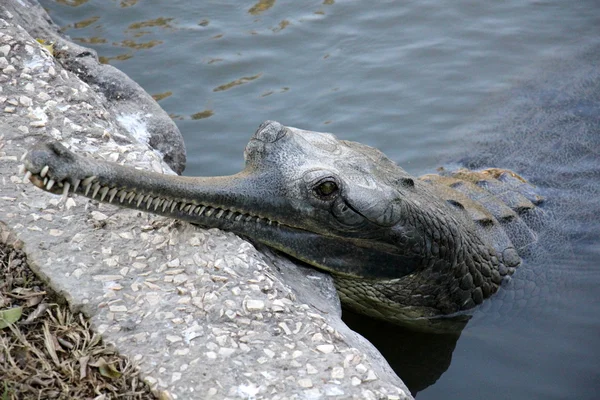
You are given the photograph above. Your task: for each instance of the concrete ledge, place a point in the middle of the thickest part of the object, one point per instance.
(203, 312)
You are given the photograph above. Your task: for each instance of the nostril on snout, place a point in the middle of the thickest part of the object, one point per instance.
(270, 132)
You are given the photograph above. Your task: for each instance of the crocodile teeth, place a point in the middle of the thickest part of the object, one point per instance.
(87, 189)
(111, 194)
(76, 185)
(166, 204)
(122, 194)
(103, 193)
(50, 184)
(66, 188)
(148, 200)
(209, 212)
(27, 176)
(239, 217)
(45, 181)
(138, 199)
(44, 171)
(157, 202)
(22, 169)
(187, 208)
(96, 187)
(173, 206)
(88, 180)
(219, 214)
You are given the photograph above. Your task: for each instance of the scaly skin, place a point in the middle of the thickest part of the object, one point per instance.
(403, 249)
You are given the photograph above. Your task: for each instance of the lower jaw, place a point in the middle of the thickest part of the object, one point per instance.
(419, 318)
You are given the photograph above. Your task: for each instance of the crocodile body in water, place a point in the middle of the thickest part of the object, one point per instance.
(402, 249)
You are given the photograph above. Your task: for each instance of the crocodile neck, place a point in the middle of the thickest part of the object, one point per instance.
(476, 224)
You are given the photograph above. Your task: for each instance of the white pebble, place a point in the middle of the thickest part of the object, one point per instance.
(255, 305)
(325, 348)
(25, 101)
(337, 373)
(305, 383)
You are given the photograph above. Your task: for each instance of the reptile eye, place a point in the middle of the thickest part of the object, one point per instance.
(326, 189)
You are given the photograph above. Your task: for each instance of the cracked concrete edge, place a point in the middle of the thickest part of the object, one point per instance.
(136, 111)
(203, 312)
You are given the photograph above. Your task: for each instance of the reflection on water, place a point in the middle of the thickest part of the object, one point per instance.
(90, 40)
(134, 30)
(160, 96)
(132, 44)
(261, 6)
(85, 23)
(158, 22)
(202, 114)
(282, 25)
(237, 82)
(120, 57)
(72, 3)
(419, 358)
(410, 78)
(270, 92)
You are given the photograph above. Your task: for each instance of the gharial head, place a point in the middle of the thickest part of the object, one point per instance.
(341, 198)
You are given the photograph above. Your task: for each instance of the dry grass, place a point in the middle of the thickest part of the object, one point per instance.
(49, 352)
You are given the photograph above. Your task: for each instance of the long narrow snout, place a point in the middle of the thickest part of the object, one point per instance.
(207, 201)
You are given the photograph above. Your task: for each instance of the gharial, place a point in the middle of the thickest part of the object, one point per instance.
(404, 249)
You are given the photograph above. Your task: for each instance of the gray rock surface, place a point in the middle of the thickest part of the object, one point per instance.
(135, 111)
(204, 313)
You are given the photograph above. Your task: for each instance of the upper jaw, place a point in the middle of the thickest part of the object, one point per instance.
(53, 168)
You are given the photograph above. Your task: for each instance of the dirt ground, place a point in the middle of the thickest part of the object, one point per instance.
(46, 351)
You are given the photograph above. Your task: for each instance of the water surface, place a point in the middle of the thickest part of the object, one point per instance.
(413, 78)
